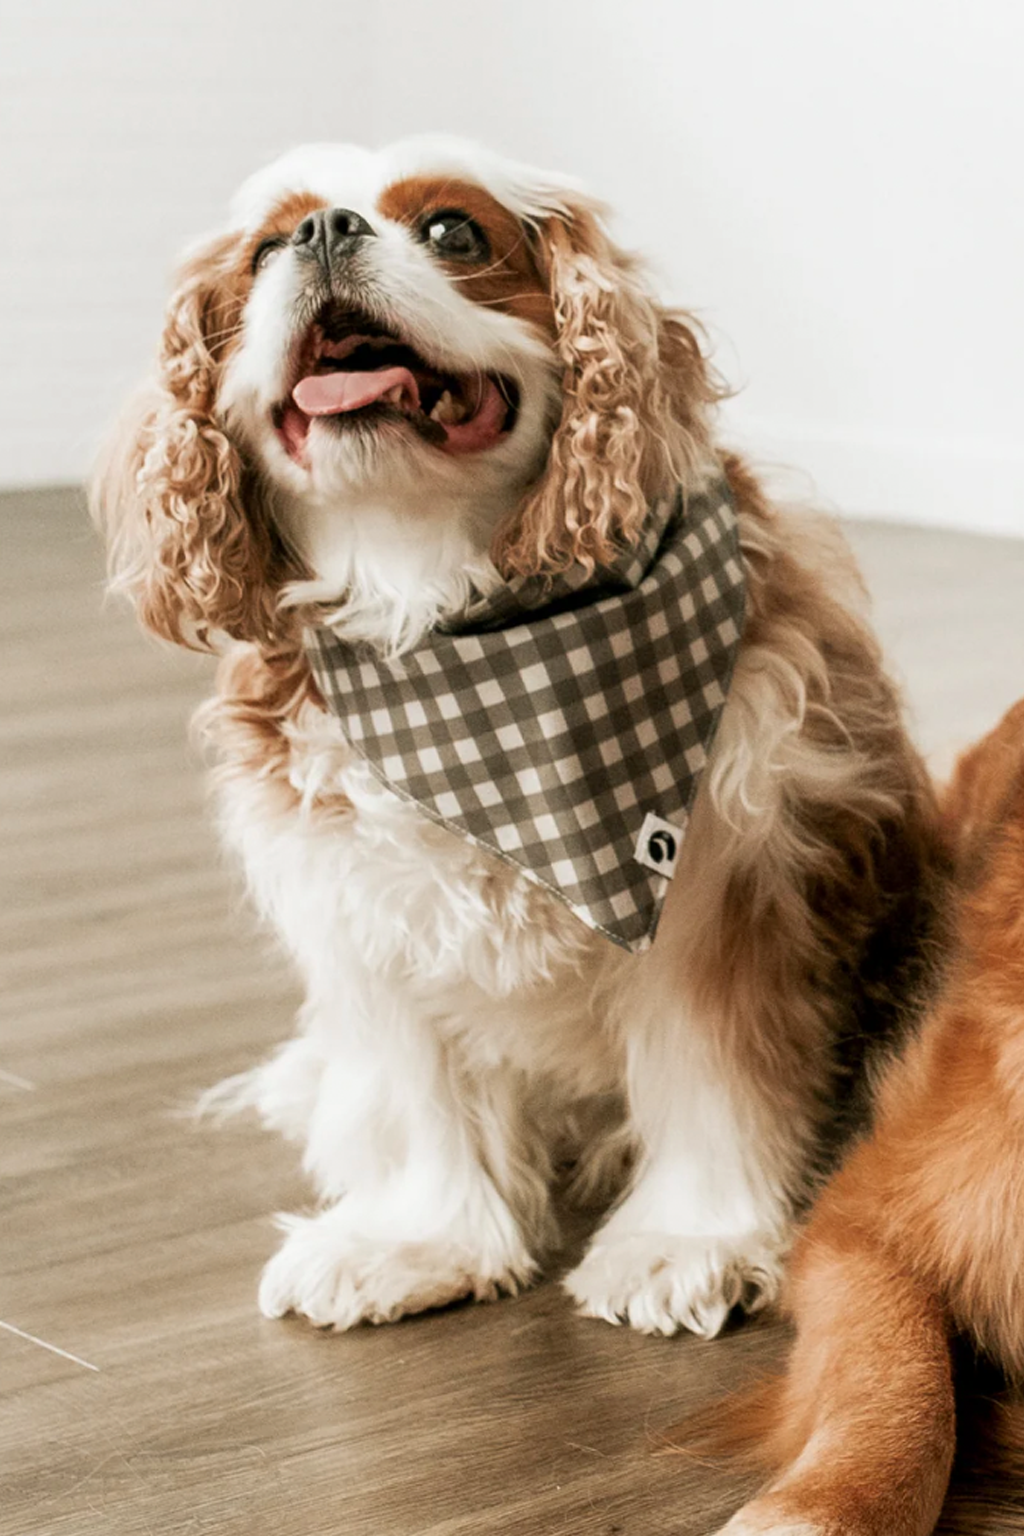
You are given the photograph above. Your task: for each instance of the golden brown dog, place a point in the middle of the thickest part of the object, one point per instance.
(920, 1236)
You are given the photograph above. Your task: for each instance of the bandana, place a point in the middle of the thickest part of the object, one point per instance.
(563, 723)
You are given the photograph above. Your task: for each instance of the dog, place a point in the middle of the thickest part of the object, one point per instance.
(918, 1238)
(396, 385)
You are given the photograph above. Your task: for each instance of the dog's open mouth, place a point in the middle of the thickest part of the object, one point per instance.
(351, 369)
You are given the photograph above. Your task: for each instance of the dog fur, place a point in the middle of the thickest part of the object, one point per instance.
(463, 1034)
(919, 1238)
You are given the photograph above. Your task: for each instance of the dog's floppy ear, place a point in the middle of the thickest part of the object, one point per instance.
(635, 388)
(188, 538)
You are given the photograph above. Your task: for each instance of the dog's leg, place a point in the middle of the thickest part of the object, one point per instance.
(702, 1228)
(728, 1034)
(423, 1164)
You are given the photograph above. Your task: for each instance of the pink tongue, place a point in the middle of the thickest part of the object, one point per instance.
(330, 394)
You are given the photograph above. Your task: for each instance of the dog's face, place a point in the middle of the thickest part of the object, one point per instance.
(396, 332)
(388, 365)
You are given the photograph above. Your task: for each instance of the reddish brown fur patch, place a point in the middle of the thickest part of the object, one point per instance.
(226, 268)
(205, 312)
(984, 782)
(511, 280)
(283, 219)
(922, 1231)
(287, 214)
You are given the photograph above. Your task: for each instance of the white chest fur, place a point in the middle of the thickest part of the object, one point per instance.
(365, 890)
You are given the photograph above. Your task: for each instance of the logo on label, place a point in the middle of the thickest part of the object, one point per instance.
(658, 845)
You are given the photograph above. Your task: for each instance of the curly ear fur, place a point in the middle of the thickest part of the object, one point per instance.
(635, 393)
(189, 539)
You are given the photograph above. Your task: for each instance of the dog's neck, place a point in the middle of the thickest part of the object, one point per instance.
(388, 568)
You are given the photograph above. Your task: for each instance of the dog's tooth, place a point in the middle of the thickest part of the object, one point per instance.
(444, 410)
(394, 394)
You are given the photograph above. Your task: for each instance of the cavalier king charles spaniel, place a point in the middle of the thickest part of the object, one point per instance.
(394, 381)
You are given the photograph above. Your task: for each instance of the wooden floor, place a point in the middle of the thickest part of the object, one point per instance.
(152, 1398)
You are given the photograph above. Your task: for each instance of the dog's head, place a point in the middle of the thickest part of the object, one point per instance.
(391, 374)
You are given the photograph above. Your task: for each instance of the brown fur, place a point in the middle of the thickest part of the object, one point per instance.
(189, 536)
(921, 1233)
(285, 217)
(190, 539)
(512, 279)
(258, 692)
(635, 393)
(837, 919)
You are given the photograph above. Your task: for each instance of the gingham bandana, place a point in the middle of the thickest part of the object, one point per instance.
(563, 724)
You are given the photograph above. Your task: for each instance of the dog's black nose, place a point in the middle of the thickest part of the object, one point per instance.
(331, 232)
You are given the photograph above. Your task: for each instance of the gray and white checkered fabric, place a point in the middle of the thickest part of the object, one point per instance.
(557, 723)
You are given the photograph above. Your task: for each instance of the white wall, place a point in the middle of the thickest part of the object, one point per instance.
(834, 189)
(124, 127)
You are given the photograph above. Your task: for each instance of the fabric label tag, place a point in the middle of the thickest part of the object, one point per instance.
(658, 845)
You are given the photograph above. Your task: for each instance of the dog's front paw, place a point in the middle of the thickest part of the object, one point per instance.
(336, 1277)
(659, 1283)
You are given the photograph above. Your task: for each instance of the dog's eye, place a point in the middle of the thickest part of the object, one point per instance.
(266, 248)
(455, 236)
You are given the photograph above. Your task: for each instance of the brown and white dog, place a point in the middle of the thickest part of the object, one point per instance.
(392, 379)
